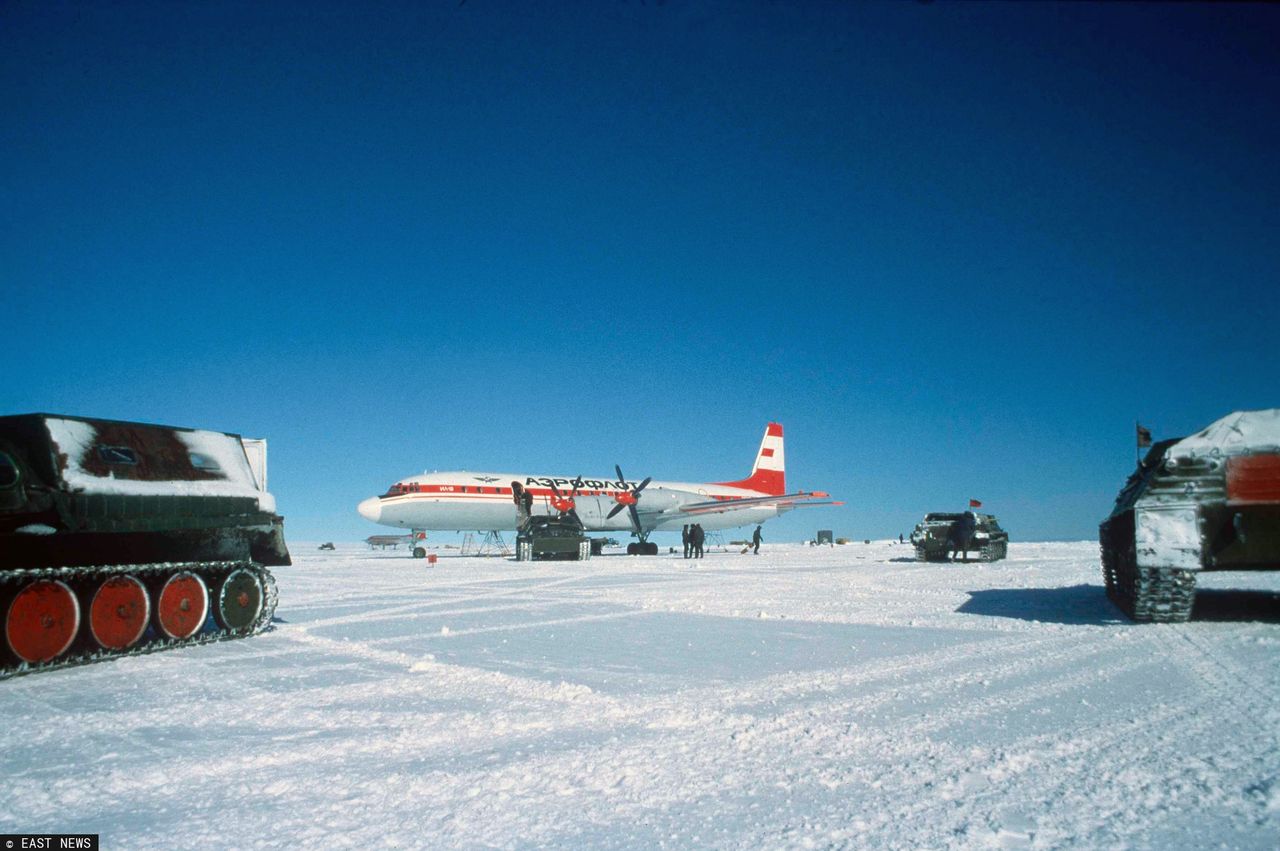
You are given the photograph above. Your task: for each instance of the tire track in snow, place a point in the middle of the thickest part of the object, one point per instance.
(670, 721)
(912, 746)
(1103, 782)
(389, 612)
(1028, 770)
(938, 672)
(679, 763)
(1235, 684)
(1077, 766)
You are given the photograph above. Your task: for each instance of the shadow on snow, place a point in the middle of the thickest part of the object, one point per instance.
(1088, 604)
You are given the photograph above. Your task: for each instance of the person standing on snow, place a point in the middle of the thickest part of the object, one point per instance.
(756, 539)
(684, 539)
(698, 537)
(962, 535)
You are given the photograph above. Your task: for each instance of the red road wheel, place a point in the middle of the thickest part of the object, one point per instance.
(42, 621)
(118, 613)
(182, 605)
(239, 601)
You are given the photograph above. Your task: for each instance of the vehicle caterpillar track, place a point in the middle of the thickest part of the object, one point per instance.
(1210, 501)
(120, 539)
(240, 601)
(993, 550)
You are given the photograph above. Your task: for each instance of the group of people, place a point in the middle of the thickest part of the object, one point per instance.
(693, 537)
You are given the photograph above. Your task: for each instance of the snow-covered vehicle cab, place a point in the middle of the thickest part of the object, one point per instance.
(1206, 502)
(119, 538)
(552, 537)
(936, 536)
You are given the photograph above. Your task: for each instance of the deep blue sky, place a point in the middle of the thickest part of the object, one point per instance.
(957, 249)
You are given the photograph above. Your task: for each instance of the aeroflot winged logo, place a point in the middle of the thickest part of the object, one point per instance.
(485, 479)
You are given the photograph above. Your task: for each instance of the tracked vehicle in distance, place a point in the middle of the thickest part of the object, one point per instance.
(121, 538)
(936, 536)
(1206, 502)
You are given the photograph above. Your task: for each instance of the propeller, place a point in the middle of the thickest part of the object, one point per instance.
(628, 500)
(565, 504)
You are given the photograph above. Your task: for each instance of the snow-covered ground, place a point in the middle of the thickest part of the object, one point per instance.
(807, 697)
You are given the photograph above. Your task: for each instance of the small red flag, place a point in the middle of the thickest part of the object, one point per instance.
(975, 503)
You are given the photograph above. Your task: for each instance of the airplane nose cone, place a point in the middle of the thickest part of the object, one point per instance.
(371, 509)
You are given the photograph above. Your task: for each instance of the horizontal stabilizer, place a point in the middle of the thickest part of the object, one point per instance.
(720, 506)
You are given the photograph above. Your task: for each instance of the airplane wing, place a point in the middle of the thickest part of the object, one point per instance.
(800, 499)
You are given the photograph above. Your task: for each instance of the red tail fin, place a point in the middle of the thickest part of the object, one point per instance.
(769, 474)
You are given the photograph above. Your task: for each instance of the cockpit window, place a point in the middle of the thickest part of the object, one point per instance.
(8, 472)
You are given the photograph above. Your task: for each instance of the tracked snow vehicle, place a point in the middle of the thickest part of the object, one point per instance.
(121, 538)
(938, 533)
(1206, 502)
(552, 537)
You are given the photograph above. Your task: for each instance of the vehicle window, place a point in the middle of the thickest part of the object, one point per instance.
(118, 455)
(8, 471)
(204, 462)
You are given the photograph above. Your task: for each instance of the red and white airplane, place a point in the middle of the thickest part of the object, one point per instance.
(487, 501)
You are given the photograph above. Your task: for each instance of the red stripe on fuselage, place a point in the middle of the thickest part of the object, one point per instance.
(504, 495)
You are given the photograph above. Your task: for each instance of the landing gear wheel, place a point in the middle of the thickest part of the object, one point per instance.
(239, 601)
(42, 621)
(650, 549)
(182, 605)
(119, 612)
(419, 552)
(633, 549)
